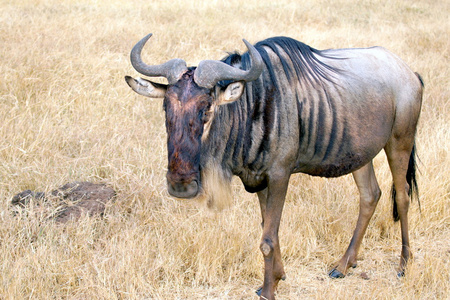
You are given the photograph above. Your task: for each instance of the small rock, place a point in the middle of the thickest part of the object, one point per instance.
(74, 199)
(89, 198)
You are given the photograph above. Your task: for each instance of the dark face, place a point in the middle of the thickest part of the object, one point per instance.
(186, 106)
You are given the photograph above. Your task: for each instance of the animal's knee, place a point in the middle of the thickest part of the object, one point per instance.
(266, 247)
(371, 196)
(407, 189)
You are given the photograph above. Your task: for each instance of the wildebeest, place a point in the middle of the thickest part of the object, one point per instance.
(282, 108)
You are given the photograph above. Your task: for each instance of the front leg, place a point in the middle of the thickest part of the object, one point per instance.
(272, 202)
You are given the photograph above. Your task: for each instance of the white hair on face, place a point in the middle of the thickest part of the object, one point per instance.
(216, 193)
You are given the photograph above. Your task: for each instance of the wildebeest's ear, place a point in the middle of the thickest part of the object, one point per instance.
(231, 93)
(146, 88)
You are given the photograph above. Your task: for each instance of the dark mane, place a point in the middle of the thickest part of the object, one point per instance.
(307, 66)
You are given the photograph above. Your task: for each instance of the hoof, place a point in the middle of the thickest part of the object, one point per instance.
(259, 291)
(401, 274)
(335, 274)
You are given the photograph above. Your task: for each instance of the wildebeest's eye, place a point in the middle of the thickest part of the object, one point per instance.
(201, 115)
(206, 113)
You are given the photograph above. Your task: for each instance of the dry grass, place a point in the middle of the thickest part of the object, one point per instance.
(66, 114)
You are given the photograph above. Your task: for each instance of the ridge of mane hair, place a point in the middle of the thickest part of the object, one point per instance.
(305, 60)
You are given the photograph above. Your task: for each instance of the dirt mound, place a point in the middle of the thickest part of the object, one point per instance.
(71, 200)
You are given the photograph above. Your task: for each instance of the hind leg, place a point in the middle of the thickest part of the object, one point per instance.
(398, 154)
(369, 195)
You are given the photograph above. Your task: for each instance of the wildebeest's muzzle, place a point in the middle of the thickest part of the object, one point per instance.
(182, 189)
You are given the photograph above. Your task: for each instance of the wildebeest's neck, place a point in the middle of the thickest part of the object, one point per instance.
(241, 134)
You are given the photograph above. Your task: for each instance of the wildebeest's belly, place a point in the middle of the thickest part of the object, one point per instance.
(342, 159)
(341, 166)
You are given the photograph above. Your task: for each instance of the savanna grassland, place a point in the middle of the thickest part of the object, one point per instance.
(66, 114)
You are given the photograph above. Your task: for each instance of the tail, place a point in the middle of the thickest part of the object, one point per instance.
(412, 182)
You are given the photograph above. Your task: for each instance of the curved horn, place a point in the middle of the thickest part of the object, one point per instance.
(209, 72)
(172, 70)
